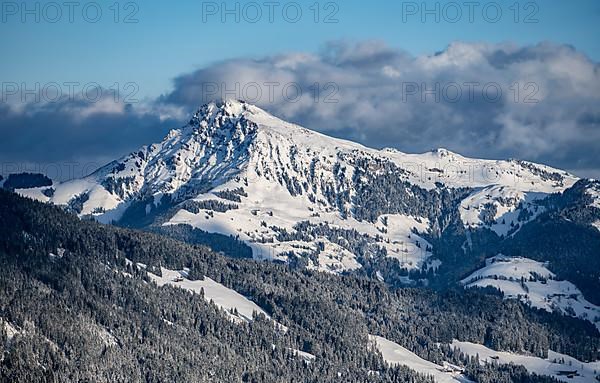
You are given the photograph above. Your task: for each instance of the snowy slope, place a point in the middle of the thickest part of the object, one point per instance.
(222, 296)
(246, 173)
(532, 283)
(594, 192)
(34, 193)
(551, 366)
(502, 209)
(395, 354)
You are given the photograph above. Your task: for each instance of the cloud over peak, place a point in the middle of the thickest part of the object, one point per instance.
(538, 102)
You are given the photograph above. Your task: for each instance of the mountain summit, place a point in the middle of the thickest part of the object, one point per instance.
(292, 193)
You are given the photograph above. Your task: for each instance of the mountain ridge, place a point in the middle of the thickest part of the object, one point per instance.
(234, 162)
(233, 126)
(251, 183)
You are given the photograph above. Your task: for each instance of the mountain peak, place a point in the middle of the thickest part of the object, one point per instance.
(443, 152)
(234, 114)
(218, 110)
(236, 118)
(229, 107)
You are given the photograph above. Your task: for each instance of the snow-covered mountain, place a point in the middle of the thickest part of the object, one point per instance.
(294, 194)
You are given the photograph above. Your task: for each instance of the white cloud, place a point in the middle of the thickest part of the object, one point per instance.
(548, 111)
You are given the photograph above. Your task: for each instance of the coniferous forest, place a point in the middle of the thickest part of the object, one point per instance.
(76, 308)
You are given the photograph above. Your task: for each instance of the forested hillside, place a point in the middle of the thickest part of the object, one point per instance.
(75, 306)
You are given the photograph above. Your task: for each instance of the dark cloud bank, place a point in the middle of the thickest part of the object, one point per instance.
(540, 103)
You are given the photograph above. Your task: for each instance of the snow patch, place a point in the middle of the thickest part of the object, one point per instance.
(34, 193)
(223, 297)
(60, 252)
(551, 366)
(11, 330)
(307, 357)
(335, 258)
(500, 208)
(532, 283)
(594, 192)
(395, 355)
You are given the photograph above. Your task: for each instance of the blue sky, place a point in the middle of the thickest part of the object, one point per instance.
(171, 38)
